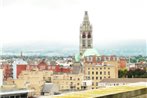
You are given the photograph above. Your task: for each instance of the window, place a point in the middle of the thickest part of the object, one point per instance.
(92, 83)
(78, 83)
(104, 72)
(108, 72)
(100, 68)
(78, 78)
(96, 78)
(92, 78)
(97, 83)
(93, 73)
(70, 78)
(84, 35)
(88, 68)
(83, 42)
(71, 83)
(88, 78)
(89, 43)
(100, 73)
(100, 78)
(108, 68)
(96, 73)
(90, 59)
(88, 72)
(89, 35)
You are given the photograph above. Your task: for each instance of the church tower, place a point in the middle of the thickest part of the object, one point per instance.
(86, 40)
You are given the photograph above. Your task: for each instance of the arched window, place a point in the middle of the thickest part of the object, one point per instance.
(84, 35)
(89, 35)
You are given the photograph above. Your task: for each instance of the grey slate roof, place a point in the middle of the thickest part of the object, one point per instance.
(77, 68)
(48, 87)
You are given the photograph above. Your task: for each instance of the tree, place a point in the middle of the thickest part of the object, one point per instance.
(136, 73)
(122, 73)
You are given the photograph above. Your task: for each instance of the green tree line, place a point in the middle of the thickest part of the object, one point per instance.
(132, 73)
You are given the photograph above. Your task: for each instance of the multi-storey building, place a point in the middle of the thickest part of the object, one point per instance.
(120, 62)
(33, 80)
(97, 72)
(71, 81)
(18, 66)
(7, 71)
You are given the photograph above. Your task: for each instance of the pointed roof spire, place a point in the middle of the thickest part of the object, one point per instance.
(86, 12)
(86, 18)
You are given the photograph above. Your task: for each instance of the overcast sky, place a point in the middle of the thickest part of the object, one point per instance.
(59, 20)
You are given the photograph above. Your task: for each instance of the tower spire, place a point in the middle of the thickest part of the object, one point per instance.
(86, 39)
(86, 18)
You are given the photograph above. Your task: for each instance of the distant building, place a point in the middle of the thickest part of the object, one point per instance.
(42, 65)
(18, 66)
(120, 81)
(7, 71)
(94, 59)
(141, 65)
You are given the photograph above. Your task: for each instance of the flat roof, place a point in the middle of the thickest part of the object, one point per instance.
(14, 91)
(98, 92)
(123, 80)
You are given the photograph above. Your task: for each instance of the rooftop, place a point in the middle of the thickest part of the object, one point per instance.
(91, 52)
(123, 80)
(98, 92)
(14, 91)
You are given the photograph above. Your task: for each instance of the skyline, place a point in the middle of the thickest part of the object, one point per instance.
(56, 21)
(121, 48)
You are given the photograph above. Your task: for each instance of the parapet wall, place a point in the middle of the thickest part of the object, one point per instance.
(141, 93)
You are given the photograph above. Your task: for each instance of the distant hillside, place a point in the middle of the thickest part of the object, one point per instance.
(125, 48)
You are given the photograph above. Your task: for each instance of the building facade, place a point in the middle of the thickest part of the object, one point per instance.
(68, 82)
(18, 66)
(33, 80)
(1, 77)
(98, 72)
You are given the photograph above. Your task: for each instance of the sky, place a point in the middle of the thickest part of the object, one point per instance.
(58, 21)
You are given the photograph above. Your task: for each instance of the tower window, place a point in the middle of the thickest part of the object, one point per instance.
(83, 42)
(84, 35)
(89, 35)
(89, 43)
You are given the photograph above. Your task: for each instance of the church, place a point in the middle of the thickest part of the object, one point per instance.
(86, 40)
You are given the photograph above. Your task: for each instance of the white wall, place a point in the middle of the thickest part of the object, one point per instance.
(1, 77)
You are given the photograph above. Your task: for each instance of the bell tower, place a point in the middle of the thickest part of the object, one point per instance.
(86, 40)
